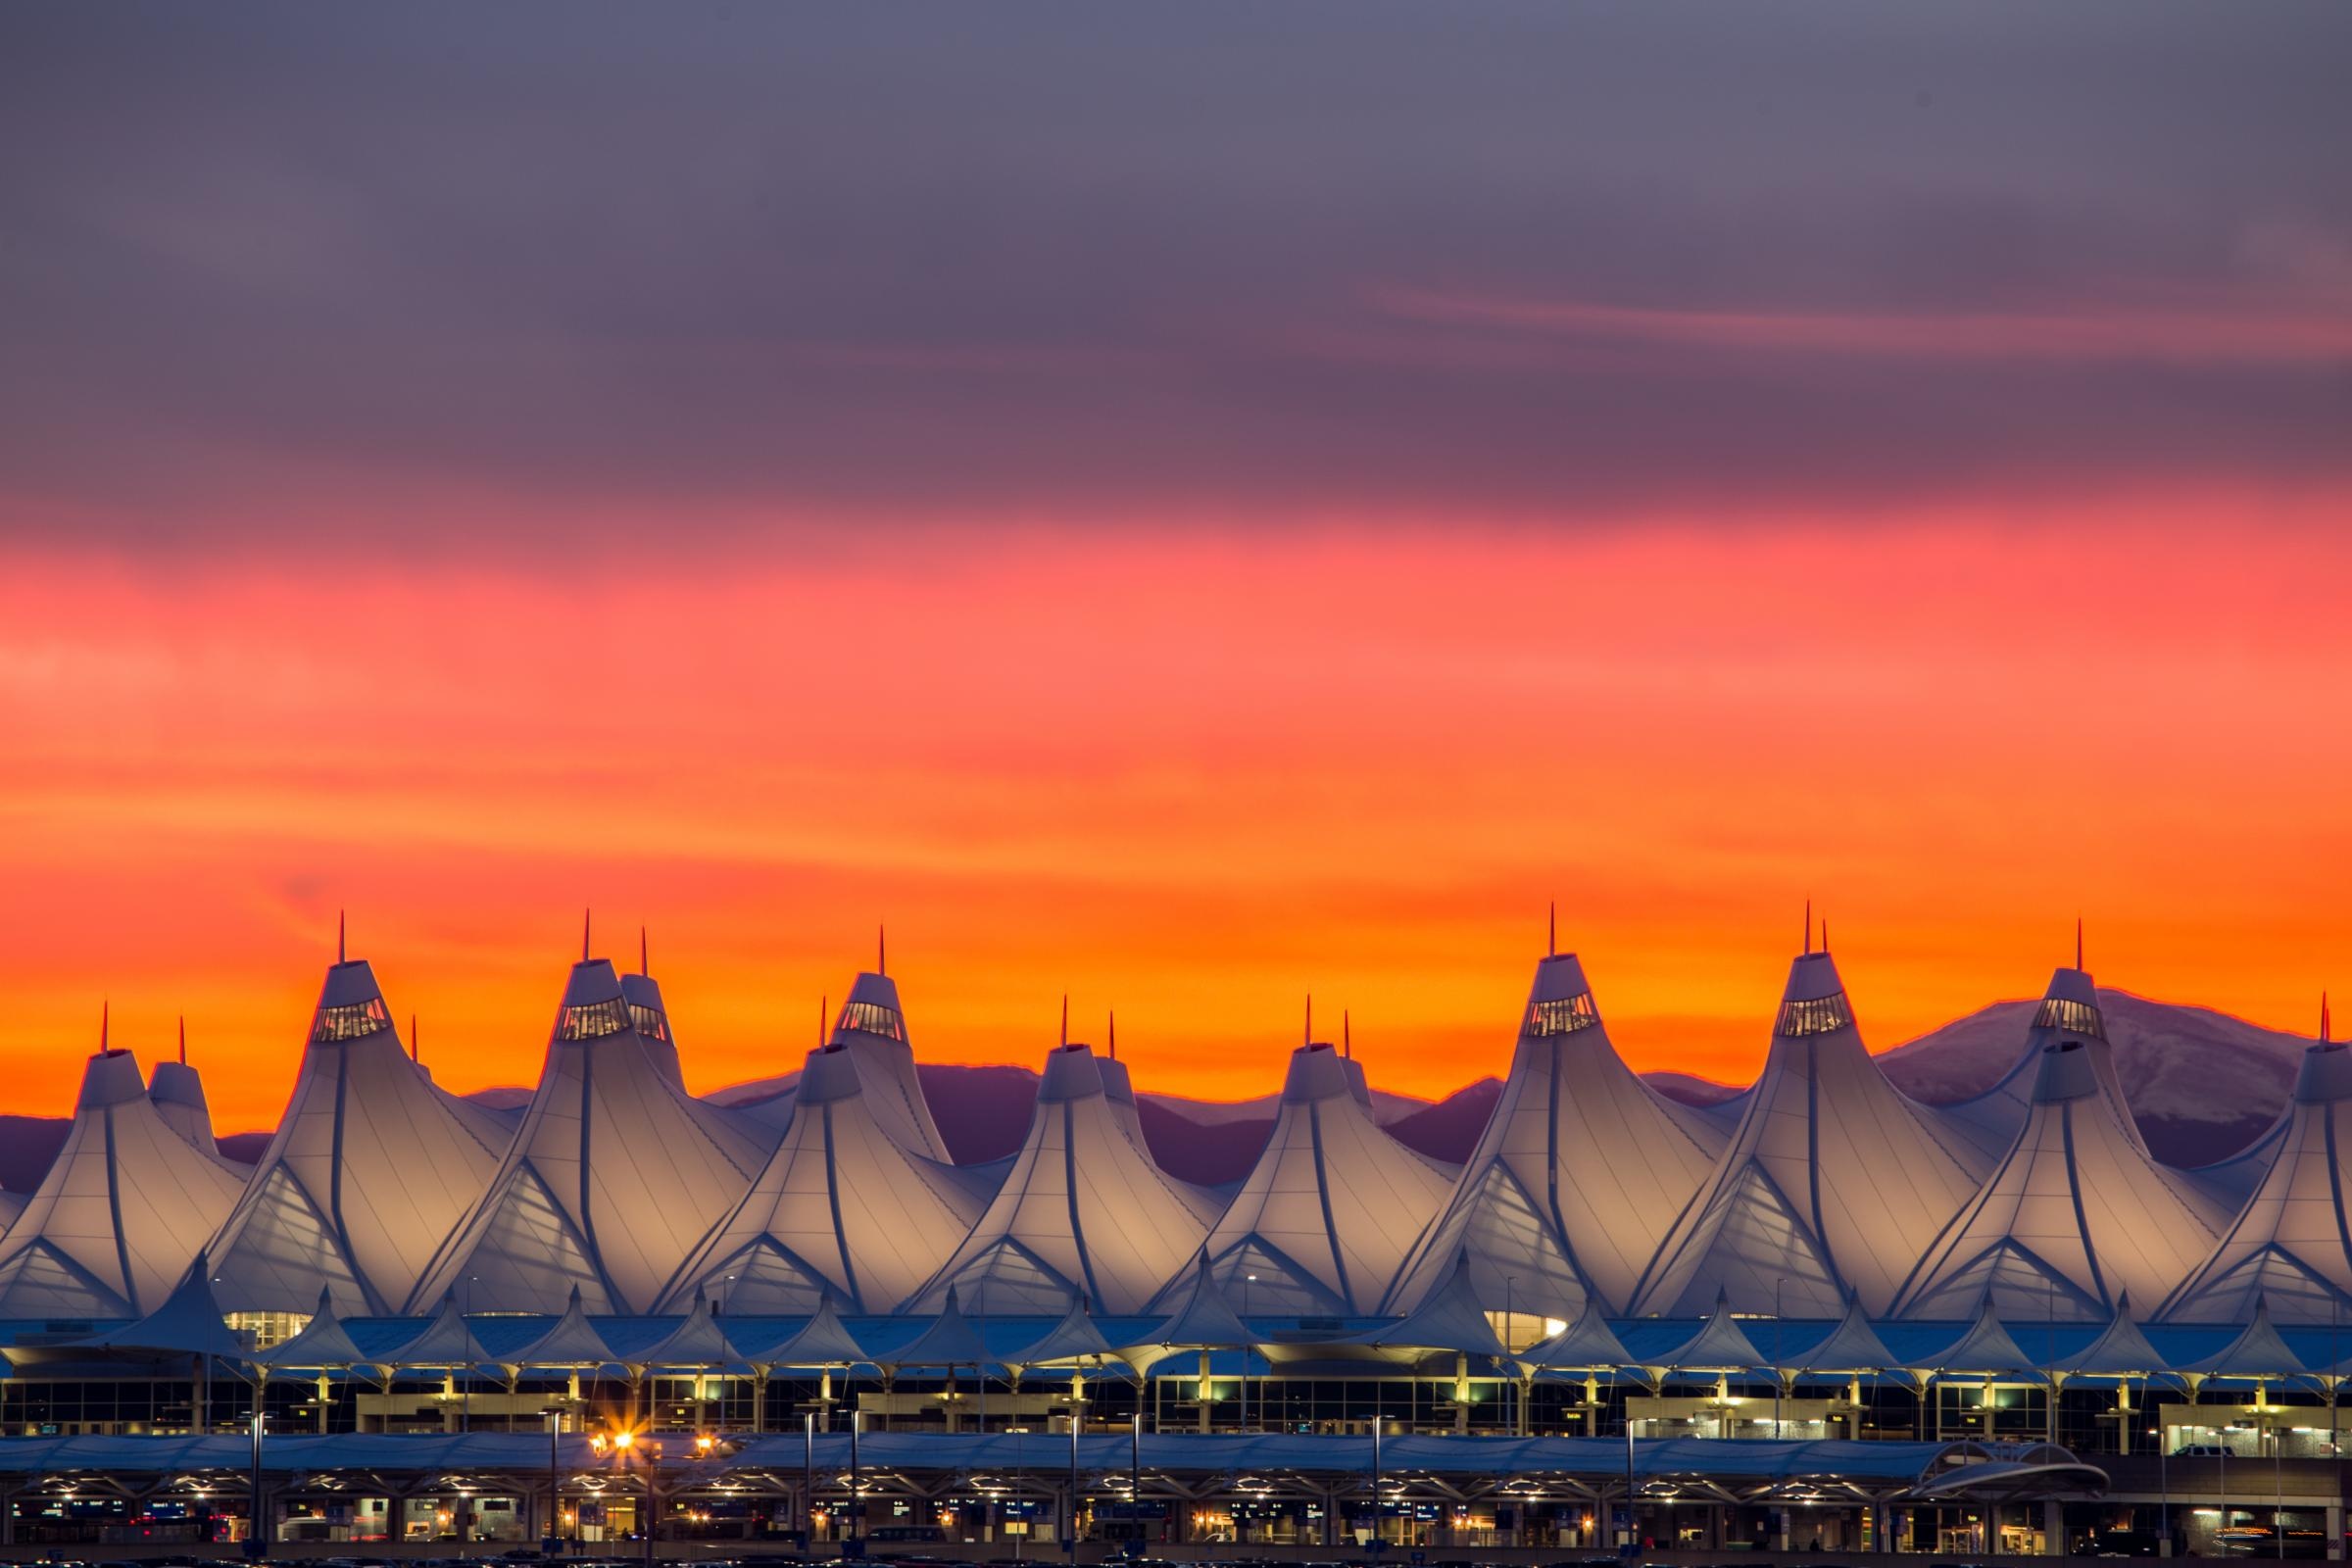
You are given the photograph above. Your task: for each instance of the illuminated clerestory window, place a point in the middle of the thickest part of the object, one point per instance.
(594, 1021)
(2072, 1018)
(1563, 1016)
(651, 1022)
(1816, 1016)
(867, 1017)
(352, 1021)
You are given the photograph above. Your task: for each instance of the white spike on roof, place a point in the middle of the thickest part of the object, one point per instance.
(1083, 1211)
(614, 1176)
(2120, 1350)
(2076, 1215)
(446, 1341)
(1827, 1186)
(2069, 1008)
(1577, 1176)
(371, 1167)
(1119, 1088)
(699, 1339)
(2289, 1246)
(1852, 1346)
(1204, 1320)
(1325, 1216)
(124, 1205)
(651, 1014)
(841, 1207)
(873, 1026)
(1719, 1345)
(824, 1340)
(950, 1340)
(178, 1091)
(571, 1341)
(323, 1342)
(1986, 1349)
(1588, 1345)
(2258, 1352)
(188, 1320)
(1449, 1319)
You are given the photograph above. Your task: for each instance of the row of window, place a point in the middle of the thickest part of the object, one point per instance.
(352, 1021)
(2074, 1017)
(1563, 1017)
(651, 1022)
(594, 1021)
(872, 1018)
(1819, 1015)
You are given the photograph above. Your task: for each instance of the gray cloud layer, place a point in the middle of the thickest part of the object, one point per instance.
(1099, 260)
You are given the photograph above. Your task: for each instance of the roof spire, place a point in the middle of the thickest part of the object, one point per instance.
(1552, 932)
(340, 954)
(1808, 928)
(183, 1037)
(1346, 1043)
(1065, 1017)
(881, 949)
(105, 1007)
(584, 913)
(642, 967)
(1825, 934)
(416, 1051)
(824, 1007)
(1311, 1019)
(2322, 1017)
(1114, 1034)
(2078, 942)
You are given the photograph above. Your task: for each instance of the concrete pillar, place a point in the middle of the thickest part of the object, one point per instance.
(2053, 1529)
(1205, 1391)
(1461, 1392)
(2336, 1531)
(325, 1397)
(1780, 1530)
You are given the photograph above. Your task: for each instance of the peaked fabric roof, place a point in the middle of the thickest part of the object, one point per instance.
(2120, 1350)
(2291, 1247)
(1076, 1338)
(872, 1027)
(841, 1208)
(447, 1340)
(614, 1176)
(1588, 1345)
(371, 1167)
(124, 1204)
(2077, 1215)
(188, 1320)
(1577, 1176)
(1827, 1186)
(1119, 1088)
(1719, 1345)
(323, 1342)
(1204, 1320)
(697, 1340)
(1083, 1212)
(1323, 1220)
(1853, 1346)
(2069, 1007)
(178, 1091)
(1449, 1319)
(1986, 1348)
(651, 1014)
(2258, 1352)
(571, 1341)
(824, 1340)
(950, 1340)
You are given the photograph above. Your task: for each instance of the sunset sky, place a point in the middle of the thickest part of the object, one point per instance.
(1185, 509)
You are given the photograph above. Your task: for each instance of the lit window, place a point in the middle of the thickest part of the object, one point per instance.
(651, 1022)
(1563, 1017)
(2073, 1018)
(871, 1018)
(261, 1330)
(354, 1021)
(1817, 1016)
(593, 1021)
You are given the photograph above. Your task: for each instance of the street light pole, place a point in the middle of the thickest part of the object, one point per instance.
(1247, 1280)
(808, 1480)
(257, 1538)
(1071, 1526)
(555, 1507)
(1778, 1381)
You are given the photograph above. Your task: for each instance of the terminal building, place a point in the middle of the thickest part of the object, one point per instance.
(1821, 1316)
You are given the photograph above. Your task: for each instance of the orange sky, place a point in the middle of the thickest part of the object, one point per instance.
(1184, 768)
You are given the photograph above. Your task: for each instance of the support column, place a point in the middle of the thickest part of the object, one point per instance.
(2053, 1529)
(2336, 1531)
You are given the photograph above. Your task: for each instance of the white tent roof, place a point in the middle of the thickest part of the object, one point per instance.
(1324, 1218)
(651, 1014)
(11, 1205)
(323, 1342)
(950, 1340)
(1204, 1320)
(124, 1205)
(371, 1167)
(1719, 1345)
(841, 1207)
(178, 1091)
(1083, 1212)
(1853, 1346)
(1826, 1187)
(1119, 1088)
(1578, 1174)
(2070, 1009)
(2292, 1244)
(1986, 1349)
(1449, 1318)
(1075, 1339)
(1588, 1345)
(2077, 1215)
(824, 1340)
(699, 1339)
(2258, 1352)
(571, 1341)
(872, 1026)
(614, 1176)
(447, 1340)
(2122, 1349)
(187, 1319)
